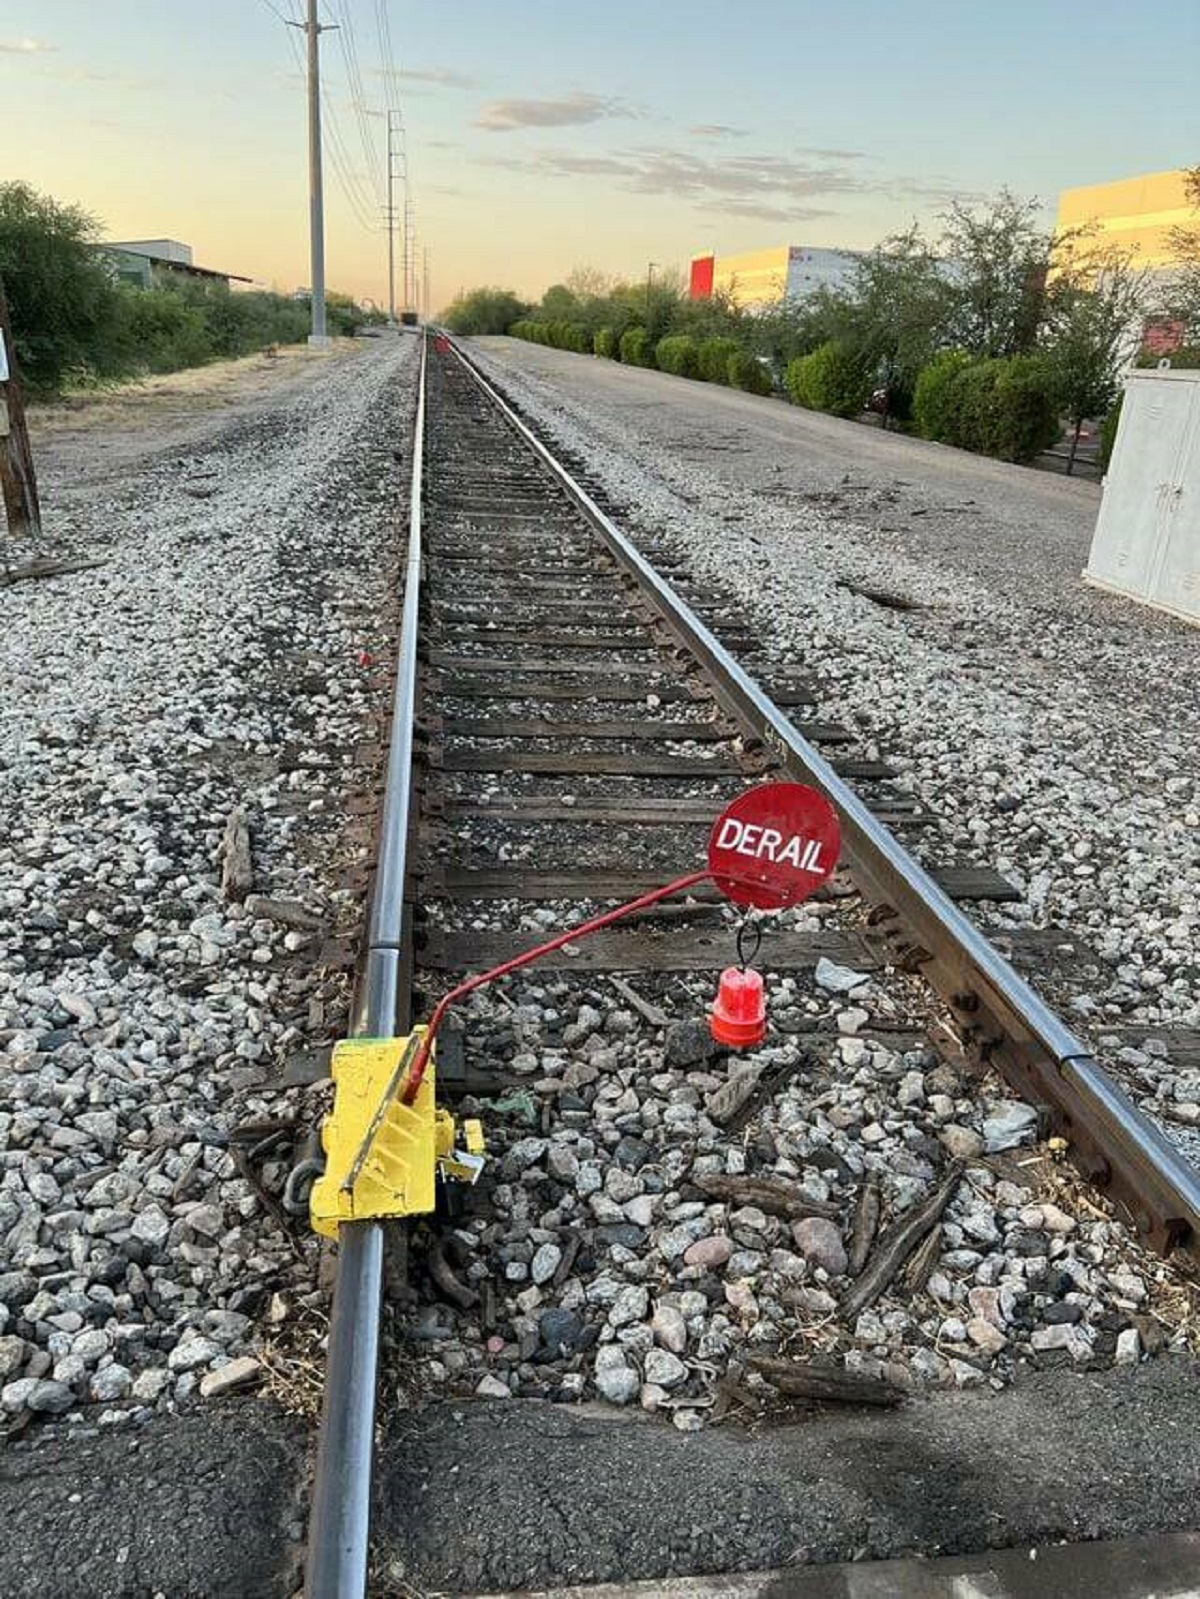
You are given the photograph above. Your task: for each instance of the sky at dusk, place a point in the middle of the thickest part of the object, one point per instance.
(544, 136)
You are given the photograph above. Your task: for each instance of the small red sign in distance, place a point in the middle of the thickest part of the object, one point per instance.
(774, 845)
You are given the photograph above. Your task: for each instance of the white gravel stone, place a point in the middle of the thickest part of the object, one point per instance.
(664, 1369)
(615, 1379)
(545, 1263)
(490, 1387)
(837, 979)
(630, 1305)
(1129, 1347)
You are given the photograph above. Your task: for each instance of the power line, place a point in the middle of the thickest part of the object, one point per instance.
(391, 71)
(358, 97)
(278, 14)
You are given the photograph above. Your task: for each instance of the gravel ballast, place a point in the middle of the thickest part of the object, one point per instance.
(219, 661)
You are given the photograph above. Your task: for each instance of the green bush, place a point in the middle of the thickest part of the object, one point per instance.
(932, 406)
(1005, 407)
(1108, 435)
(606, 343)
(747, 372)
(61, 295)
(487, 310)
(636, 348)
(712, 359)
(831, 379)
(677, 354)
(1026, 417)
(565, 336)
(160, 330)
(970, 406)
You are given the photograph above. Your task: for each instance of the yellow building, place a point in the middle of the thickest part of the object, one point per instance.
(1136, 213)
(764, 277)
(755, 278)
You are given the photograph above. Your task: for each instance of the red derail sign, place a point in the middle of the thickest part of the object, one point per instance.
(774, 845)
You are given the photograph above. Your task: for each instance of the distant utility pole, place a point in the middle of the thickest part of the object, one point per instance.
(16, 461)
(392, 154)
(391, 221)
(408, 244)
(316, 200)
(425, 295)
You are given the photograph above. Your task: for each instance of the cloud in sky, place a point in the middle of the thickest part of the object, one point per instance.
(25, 47)
(439, 77)
(444, 76)
(117, 80)
(716, 130)
(570, 110)
(772, 188)
(764, 211)
(836, 155)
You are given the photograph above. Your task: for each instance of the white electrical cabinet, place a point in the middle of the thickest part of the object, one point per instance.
(1147, 538)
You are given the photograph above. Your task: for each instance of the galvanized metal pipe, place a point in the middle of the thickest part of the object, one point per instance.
(895, 875)
(339, 1523)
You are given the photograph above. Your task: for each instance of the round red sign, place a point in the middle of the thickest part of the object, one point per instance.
(774, 845)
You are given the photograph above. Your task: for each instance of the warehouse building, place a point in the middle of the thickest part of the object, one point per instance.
(764, 277)
(1133, 213)
(143, 261)
(1139, 215)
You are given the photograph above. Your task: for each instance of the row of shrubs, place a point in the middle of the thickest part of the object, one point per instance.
(714, 360)
(1005, 407)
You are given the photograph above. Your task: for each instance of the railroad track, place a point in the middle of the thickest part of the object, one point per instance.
(570, 714)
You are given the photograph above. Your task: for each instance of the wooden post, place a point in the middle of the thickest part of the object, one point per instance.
(16, 462)
(1074, 448)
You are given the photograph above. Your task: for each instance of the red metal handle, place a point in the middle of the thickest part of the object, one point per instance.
(416, 1072)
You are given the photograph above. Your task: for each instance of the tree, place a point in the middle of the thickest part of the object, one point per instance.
(61, 294)
(1184, 245)
(997, 257)
(589, 283)
(559, 304)
(897, 313)
(487, 310)
(1093, 300)
(797, 327)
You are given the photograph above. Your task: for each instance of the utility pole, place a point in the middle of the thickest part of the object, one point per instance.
(16, 460)
(391, 223)
(425, 295)
(314, 30)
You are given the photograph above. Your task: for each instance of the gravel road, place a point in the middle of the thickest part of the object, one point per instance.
(1054, 730)
(217, 658)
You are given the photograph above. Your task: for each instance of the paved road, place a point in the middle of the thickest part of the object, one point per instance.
(522, 1494)
(475, 1495)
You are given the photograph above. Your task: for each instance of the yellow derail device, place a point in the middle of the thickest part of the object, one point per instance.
(386, 1140)
(383, 1154)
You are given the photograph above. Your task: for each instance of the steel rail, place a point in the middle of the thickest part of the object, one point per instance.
(340, 1511)
(1013, 1027)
